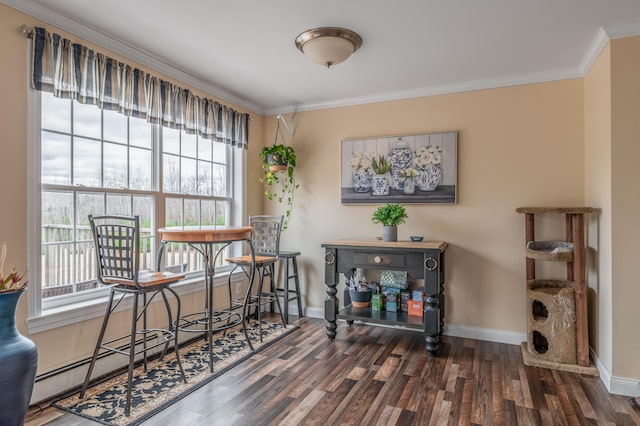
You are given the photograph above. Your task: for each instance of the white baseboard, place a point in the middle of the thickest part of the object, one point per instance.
(616, 385)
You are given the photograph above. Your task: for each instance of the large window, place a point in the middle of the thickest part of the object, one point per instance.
(93, 161)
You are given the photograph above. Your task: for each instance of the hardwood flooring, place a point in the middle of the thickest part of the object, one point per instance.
(383, 376)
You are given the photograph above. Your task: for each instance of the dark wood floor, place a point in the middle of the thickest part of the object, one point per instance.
(375, 375)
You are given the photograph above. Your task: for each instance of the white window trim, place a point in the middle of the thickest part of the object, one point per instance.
(83, 308)
(33, 198)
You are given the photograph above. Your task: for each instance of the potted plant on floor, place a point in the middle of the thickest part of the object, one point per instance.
(278, 166)
(390, 216)
(18, 354)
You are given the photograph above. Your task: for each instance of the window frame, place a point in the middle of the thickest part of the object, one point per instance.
(69, 309)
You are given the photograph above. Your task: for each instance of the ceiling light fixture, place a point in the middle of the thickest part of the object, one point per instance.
(328, 45)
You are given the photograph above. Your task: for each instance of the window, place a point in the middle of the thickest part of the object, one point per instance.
(93, 161)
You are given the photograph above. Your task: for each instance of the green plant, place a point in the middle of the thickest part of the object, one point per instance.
(381, 165)
(390, 215)
(279, 185)
(274, 154)
(13, 281)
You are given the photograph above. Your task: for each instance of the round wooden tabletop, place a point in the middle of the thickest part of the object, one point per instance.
(204, 234)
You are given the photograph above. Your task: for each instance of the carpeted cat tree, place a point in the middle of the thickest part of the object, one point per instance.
(557, 332)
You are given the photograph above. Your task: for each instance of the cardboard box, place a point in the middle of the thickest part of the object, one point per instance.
(376, 302)
(418, 295)
(404, 301)
(415, 308)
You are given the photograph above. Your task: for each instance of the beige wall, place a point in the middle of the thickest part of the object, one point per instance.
(518, 146)
(625, 204)
(560, 143)
(78, 339)
(598, 194)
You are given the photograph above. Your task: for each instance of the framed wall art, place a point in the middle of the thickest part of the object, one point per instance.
(400, 169)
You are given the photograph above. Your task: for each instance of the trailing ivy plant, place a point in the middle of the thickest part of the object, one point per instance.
(279, 182)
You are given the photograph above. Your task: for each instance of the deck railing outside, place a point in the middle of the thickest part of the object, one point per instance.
(69, 266)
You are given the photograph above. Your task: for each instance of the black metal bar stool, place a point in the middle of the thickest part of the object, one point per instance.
(285, 292)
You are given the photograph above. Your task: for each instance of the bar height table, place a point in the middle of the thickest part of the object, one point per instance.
(204, 239)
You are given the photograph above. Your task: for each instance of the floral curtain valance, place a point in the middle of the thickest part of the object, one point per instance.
(70, 70)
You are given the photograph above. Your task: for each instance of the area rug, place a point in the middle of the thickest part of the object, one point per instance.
(162, 385)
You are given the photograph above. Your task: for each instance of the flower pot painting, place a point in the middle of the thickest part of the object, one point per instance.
(380, 184)
(406, 169)
(409, 185)
(400, 157)
(429, 177)
(361, 180)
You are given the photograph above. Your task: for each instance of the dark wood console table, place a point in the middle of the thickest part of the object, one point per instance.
(421, 260)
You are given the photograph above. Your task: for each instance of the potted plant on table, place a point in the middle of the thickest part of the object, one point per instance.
(390, 216)
(278, 166)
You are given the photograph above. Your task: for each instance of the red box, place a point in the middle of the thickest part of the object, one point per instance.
(415, 308)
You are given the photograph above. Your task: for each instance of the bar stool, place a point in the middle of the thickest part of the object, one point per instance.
(286, 293)
(266, 241)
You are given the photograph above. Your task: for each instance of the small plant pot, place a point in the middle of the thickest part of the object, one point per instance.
(389, 233)
(360, 299)
(276, 164)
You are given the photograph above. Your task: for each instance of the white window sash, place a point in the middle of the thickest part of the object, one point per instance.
(70, 309)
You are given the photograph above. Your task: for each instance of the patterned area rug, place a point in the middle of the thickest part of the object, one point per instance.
(162, 384)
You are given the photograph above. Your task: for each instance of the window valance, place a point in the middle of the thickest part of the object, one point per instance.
(73, 71)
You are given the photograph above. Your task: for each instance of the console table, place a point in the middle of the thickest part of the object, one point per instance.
(422, 260)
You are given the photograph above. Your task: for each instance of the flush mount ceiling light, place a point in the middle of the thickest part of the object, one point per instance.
(328, 45)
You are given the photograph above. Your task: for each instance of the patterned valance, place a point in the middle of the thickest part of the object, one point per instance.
(73, 71)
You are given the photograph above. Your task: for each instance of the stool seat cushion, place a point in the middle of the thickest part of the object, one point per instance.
(246, 260)
(146, 278)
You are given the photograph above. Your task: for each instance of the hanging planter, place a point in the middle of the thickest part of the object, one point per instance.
(277, 162)
(278, 165)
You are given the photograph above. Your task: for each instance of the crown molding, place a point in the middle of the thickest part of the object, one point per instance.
(628, 29)
(126, 50)
(604, 35)
(595, 48)
(514, 80)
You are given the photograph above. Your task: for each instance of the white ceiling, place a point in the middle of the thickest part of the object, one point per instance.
(244, 52)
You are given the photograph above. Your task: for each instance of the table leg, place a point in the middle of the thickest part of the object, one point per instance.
(285, 286)
(160, 259)
(331, 311)
(209, 273)
(331, 301)
(434, 309)
(245, 309)
(432, 324)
